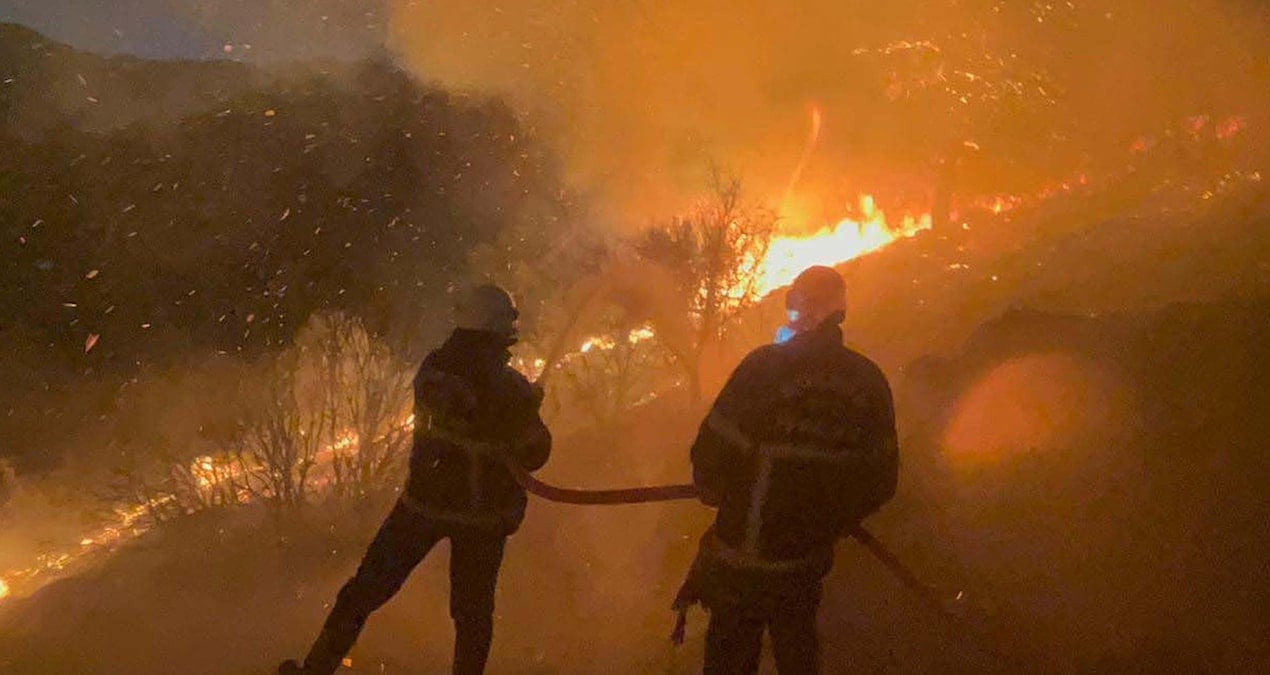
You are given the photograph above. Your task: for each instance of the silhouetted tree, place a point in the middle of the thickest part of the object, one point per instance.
(712, 254)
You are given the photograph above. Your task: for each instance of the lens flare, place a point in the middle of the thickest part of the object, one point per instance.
(1035, 403)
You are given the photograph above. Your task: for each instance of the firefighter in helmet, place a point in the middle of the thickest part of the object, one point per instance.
(799, 447)
(473, 414)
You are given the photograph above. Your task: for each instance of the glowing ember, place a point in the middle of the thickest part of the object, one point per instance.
(606, 342)
(850, 238)
(601, 342)
(813, 135)
(134, 520)
(1231, 126)
(346, 441)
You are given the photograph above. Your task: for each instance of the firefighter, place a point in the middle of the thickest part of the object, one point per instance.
(473, 412)
(799, 447)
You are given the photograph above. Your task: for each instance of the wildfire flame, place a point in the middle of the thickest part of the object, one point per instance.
(131, 521)
(813, 136)
(606, 342)
(788, 255)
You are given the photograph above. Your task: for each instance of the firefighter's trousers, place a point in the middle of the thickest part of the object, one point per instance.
(403, 541)
(734, 639)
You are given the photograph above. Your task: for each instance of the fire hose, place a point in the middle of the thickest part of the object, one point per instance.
(666, 493)
(926, 595)
(675, 492)
(638, 495)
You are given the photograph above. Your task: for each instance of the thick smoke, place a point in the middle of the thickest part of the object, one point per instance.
(647, 94)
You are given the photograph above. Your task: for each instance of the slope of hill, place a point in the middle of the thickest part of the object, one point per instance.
(48, 85)
(1129, 543)
(136, 239)
(1081, 385)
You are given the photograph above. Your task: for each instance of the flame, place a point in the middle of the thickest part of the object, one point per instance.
(345, 441)
(813, 135)
(533, 369)
(607, 342)
(600, 341)
(788, 255)
(133, 520)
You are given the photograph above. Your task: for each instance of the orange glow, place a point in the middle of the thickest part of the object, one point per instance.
(1036, 402)
(813, 136)
(133, 520)
(788, 255)
(1231, 126)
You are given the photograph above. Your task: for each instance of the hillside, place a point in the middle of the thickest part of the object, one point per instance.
(232, 205)
(1079, 379)
(48, 86)
(1126, 539)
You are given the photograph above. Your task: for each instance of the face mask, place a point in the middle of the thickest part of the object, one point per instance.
(786, 332)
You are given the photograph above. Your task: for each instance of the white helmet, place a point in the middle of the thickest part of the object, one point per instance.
(818, 295)
(488, 308)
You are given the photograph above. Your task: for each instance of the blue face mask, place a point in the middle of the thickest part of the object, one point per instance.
(785, 333)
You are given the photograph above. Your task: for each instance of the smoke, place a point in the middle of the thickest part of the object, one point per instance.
(645, 95)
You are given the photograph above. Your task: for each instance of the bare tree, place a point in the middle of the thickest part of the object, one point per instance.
(713, 254)
(131, 484)
(611, 369)
(367, 398)
(208, 481)
(175, 438)
(284, 434)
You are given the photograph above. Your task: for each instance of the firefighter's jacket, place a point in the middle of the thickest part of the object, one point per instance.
(473, 412)
(799, 447)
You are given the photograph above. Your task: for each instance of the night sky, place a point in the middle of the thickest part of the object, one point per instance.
(265, 30)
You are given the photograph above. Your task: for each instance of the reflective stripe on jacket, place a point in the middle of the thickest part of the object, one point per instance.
(473, 411)
(799, 447)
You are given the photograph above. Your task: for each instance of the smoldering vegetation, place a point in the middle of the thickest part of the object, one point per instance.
(1087, 493)
(171, 227)
(1079, 373)
(165, 235)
